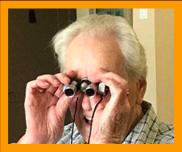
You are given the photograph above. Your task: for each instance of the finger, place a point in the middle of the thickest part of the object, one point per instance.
(36, 85)
(117, 85)
(50, 79)
(52, 90)
(71, 74)
(62, 105)
(119, 101)
(42, 84)
(102, 74)
(59, 91)
(53, 101)
(63, 78)
(112, 80)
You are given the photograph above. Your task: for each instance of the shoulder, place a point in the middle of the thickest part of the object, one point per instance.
(65, 139)
(165, 134)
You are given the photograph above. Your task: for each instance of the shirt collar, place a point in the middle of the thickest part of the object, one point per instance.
(146, 129)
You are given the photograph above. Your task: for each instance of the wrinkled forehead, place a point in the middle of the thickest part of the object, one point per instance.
(88, 53)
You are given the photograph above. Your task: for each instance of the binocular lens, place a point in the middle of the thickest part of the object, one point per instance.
(69, 92)
(90, 92)
(86, 87)
(70, 89)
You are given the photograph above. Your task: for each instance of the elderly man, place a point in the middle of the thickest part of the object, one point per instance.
(104, 52)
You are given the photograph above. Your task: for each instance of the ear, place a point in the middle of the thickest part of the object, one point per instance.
(141, 86)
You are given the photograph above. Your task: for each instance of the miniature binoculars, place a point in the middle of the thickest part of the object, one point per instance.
(86, 87)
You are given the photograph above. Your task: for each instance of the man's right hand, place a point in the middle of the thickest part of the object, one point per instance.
(45, 109)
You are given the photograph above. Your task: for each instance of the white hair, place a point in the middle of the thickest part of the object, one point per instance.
(132, 50)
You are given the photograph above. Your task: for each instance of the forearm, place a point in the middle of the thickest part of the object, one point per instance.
(25, 139)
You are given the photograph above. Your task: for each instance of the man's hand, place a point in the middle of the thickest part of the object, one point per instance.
(45, 109)
(112, 124)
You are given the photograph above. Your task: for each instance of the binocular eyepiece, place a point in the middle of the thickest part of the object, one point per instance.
(86, 87)
(70, 89)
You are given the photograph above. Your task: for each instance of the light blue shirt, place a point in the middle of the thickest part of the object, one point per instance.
(149, 130)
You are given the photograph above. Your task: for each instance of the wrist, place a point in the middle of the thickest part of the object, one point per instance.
(26, 139)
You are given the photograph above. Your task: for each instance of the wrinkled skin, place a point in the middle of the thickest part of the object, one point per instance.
(99, 59)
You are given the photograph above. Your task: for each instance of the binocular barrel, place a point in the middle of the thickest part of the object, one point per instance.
(70, 89)
(86, 87)
(102, 89)
(91, 90)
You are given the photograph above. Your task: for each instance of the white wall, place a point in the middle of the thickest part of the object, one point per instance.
(157, 34)
(82, 12)
(164, 23)
(145, 30)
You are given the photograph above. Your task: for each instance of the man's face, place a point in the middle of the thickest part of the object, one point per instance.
(86, 55)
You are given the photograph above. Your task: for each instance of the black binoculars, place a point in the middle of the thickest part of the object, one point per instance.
(86, 87)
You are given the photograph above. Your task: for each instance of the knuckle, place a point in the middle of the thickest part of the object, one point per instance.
(39, 77)
(63, 78)
(29, 84)
(31, 104)
(119, 91)
(122, 87)
(125, 84)
(60, 76)
(44, 76)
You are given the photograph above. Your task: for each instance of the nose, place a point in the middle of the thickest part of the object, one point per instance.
(89, 103)
(86, 104)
